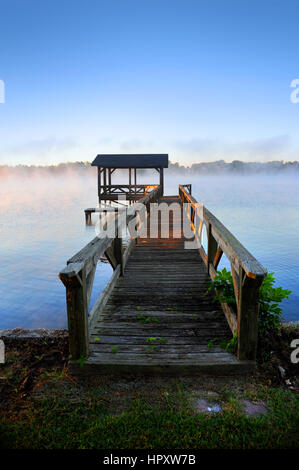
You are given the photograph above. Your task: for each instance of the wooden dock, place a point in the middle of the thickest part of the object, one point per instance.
(154, 316)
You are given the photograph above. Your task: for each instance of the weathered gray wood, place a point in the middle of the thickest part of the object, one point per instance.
(97, 247)
(93, 367)
(248, 317)
(137, 340)
(230, 317)
(76, 300)
(117, 186)
(126, 322)
(212, 248)
(234, 250)
(191, 307)
(71, 270)
(118, 252)
(217, 257)
(127, 252)
(99, 305)
(89, 282)
(80, 272)
(99, 182)
(246, 285)
(162, 180)
(91, 253)
(203, 336)
(162, 351)
(165, 317)
(236, 284)
(163, 280)
(168, 359)
(109, 253)
(104, 208)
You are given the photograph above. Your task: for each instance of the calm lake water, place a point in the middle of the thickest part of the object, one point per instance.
(42, 225)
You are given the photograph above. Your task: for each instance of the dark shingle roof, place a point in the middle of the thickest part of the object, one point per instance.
(132, 161)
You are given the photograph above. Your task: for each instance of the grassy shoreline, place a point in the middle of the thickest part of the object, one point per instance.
(44, 407)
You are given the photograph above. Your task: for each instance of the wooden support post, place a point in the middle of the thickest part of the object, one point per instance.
(89, 283)
(248, 316)
(135, 180)
(109, 253)
(105, 181)
(162, 181)
(87, 217)
(117, 249)
(77, 314)
(99, 183)
(130, 182)
(217, 258)
(236, 283)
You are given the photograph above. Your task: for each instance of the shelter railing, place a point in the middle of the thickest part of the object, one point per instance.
(247, 272)
(127, 188)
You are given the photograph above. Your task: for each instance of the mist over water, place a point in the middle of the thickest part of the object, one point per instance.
(42, 224)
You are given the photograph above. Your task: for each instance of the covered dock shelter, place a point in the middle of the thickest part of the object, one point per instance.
(108, 164)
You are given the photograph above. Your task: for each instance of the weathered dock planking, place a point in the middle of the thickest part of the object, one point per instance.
(154, 316)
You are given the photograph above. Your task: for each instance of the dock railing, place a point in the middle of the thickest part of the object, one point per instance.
(78, 275)
(247, 272)
(131, 191)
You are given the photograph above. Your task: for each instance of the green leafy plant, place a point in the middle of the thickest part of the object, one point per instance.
(114, 349)
(150, 340)
(212, 342)
(153, 340)
(162, 340)
(223, 284)
(145, 319)
(269, 310)
(81, 361)
(232, 345)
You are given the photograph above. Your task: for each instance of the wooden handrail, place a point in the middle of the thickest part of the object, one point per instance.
(187, 187)
(247, 274)
(233, 249)
(129, 186)
(78, 275)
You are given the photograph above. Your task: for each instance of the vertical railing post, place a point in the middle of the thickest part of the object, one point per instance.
(248, 308)
(77, 313)
(117, 249)
(212, 248)
(161, 181)
(99, 183)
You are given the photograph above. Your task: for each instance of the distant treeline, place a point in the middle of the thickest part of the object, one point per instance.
(212, 168)
(236, 166)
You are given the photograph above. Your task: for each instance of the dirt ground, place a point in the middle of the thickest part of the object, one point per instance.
(39, 366)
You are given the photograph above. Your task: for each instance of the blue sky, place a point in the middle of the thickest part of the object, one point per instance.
(200, 80)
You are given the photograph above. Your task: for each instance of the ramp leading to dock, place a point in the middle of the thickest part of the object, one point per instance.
(158, 318)
(154, 316)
